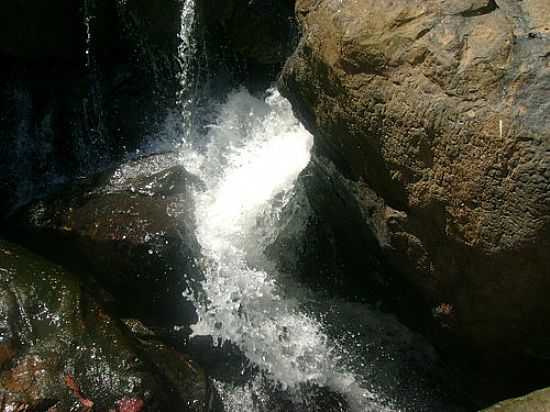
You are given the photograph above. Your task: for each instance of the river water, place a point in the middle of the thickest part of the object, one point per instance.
(256, 150)
(297, 351)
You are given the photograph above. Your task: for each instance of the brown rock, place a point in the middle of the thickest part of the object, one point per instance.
(538, 401)
(443, 109)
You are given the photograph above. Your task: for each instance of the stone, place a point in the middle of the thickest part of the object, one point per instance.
(132, 229)
(441, 109)
(82, 84)
(322, 237)
(269, 21)
(69, 353)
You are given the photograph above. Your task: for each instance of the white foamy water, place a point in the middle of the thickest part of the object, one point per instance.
(186, 53)
(256, 150)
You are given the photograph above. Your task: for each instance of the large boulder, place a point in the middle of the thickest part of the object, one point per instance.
(131, 228)
(61, 350)
(441, 110)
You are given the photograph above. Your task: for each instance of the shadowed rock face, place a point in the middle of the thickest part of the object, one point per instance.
(37, 30)
(244, 42)
(132, 228)
(442, 109)
(260, 30)
(60, 349)
(82, 83)
(323, 237)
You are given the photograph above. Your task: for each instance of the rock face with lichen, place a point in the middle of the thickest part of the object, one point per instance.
(441, 111)
(81, 85)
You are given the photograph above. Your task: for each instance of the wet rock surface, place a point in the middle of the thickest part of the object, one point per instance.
(132, 229)
(82, 82)
(61, 350)
(439, 111)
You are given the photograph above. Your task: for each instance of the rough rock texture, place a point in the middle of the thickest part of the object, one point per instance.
(442, 109)
(538, 401)
(81, 83)
(132, 228)
(61, 350)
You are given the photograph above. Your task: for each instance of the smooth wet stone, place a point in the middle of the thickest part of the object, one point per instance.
(132, 229)
(60, 349)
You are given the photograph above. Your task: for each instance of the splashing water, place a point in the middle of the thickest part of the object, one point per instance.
(256, 151)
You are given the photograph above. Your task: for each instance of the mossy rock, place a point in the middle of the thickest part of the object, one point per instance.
(132, 229)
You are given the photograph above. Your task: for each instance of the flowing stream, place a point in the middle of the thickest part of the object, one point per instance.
(256, 150)
(297, 351)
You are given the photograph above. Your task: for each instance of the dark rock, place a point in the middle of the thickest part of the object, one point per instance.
(311, 399)
(37, 30)
(82, 84)
(441, 111)
(323, 237)
(132, 228)
(61, 349)
(244, 42)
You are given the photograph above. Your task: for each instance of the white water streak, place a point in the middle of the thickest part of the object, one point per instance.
(186, 53)
(256, 151)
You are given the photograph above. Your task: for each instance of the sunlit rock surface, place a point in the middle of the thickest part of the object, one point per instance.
(441, 109)
(538, 401)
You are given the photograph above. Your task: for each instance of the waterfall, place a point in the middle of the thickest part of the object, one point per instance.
(186, 53)
(255, 152)
(251, 155)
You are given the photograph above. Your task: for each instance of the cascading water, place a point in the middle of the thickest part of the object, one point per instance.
(186, 53)
(290, 341)
(256, 151)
